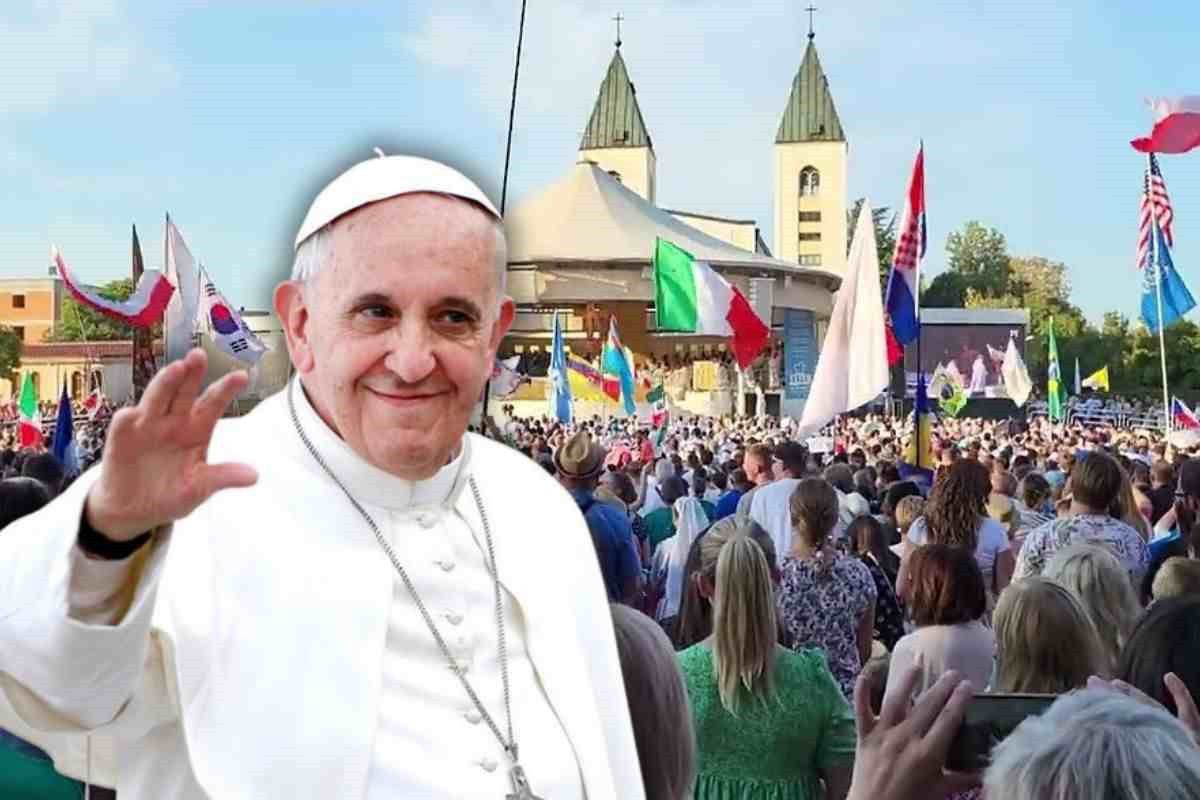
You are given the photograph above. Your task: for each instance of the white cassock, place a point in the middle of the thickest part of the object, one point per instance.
(269, 650)
(978, 377)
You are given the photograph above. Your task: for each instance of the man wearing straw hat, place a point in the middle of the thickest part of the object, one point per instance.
(343, 593)
(579, 463)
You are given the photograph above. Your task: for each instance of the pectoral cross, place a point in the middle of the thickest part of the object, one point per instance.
(521, 790)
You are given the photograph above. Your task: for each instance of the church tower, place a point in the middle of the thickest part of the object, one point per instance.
(810, 173)
(616, 137)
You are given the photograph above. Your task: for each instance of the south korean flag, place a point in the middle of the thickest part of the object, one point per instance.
(229, 331)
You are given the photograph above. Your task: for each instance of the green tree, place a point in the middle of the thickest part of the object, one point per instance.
(78, 322)
(948, 290)
(1183, 373)
(885, 236)
(980, 255)
(10, 353)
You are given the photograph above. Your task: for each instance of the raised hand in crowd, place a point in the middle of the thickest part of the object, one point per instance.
(902, 752)
(155, 467)
(1185, 704)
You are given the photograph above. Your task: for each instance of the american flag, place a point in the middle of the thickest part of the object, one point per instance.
(1154, 197)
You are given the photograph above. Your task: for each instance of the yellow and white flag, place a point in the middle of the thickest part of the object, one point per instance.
(1097, 381)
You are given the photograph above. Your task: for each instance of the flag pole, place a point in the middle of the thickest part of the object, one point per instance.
(1162, 345)
(916, 411)
(512, 110)
(166, 328)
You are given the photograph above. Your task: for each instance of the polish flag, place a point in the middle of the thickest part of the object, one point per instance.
(1176, 126)
(144, 307)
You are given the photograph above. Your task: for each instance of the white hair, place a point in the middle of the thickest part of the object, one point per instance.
(317, 250)
(1096, 745)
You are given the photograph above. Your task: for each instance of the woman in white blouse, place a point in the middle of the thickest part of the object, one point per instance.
(956, 514)
(947, 603)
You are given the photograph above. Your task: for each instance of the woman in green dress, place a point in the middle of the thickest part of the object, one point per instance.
(770, 723)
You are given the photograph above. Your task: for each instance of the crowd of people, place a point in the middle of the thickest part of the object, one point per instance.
(338, 603)
(771, 597)
(801, 589)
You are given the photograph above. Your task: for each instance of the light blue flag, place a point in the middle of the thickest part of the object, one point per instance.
(560, 386)
(1176, 299)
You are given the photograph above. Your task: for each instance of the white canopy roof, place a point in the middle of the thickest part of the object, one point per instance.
(588, 216)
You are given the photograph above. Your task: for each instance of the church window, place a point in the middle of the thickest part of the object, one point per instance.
(810, 216)
(810, 182)
(810, 260)
(18, 301)
(19, 330)
(810, 237)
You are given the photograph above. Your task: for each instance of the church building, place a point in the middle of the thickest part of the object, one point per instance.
(582, 247)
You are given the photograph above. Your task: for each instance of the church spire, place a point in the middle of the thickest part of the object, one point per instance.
(616, 118)
(810, 115)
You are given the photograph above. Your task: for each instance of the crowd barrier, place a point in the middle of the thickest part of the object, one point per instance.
(1126, 420)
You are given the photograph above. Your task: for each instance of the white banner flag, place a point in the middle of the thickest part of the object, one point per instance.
(1016, 377)
(852, 369)
(180, 322)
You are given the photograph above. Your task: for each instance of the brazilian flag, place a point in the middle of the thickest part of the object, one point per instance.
(1054, 392)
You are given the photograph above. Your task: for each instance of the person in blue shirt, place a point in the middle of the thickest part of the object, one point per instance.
(727, 503)
(579, 463)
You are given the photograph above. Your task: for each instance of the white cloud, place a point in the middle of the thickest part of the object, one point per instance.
(52, 53)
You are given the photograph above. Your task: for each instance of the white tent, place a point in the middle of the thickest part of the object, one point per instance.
(588, 216)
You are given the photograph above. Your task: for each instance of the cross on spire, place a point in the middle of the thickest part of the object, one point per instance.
(811, 10)
(618, 19)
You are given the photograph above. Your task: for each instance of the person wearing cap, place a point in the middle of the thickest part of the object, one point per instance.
(579, 463)
(342, 594)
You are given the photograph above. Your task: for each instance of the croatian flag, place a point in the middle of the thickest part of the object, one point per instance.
(1182, 416)
(906, 262)
(1176, 126)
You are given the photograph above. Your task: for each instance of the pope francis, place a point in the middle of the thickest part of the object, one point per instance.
(342, 594)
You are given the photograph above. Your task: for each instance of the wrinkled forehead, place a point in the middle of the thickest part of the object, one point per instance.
(416, 240)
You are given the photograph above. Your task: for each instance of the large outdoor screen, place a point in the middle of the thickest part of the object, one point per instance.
(975, 352)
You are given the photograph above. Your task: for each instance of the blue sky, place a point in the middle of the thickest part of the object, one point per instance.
(230, 115)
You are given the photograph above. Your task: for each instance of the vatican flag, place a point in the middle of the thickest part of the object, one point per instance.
(1097, 381)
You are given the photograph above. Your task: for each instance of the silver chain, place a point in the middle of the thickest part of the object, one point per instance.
(509, 745)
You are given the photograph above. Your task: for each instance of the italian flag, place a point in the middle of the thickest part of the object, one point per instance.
(657, 398)
(690, 297)
(29, 427)
(658, 415)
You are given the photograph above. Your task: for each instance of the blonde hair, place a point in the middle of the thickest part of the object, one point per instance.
(1176, 577)
(1101, 585)
(1046, 642)
(745, 629)
(814, 514)
(908, 510)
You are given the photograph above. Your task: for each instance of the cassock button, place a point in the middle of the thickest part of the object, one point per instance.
(474, 717)
(462, 666)
(427, 519)
(488, 764)
(453, 618)
(446, 565)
